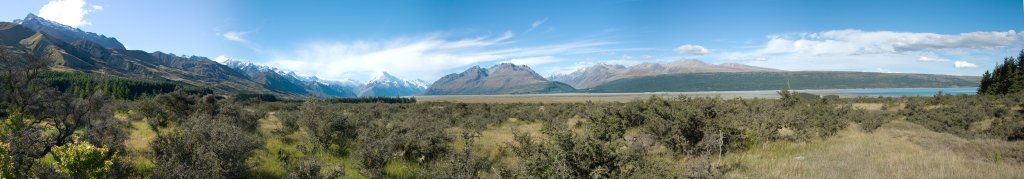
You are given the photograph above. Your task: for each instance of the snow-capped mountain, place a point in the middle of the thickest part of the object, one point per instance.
(381, 84)
(384, 84)
(291, 83)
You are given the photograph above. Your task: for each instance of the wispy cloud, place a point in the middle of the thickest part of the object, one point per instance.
(425, 57)
(932, 59)
(537, 23)
(235, 36)
(68, 12)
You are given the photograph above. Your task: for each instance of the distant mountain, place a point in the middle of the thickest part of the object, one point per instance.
(290, 83)
(601, 73)
(590, 76)
(287, 82)
(505, 78)
(741, 81)
(384, 84)
(67, 33)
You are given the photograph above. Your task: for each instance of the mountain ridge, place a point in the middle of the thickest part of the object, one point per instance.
(67, 33)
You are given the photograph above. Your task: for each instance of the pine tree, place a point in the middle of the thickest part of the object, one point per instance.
(986, 82)
(1006, 78)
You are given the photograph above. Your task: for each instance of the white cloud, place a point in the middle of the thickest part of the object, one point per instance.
(537, 23)
(235, 36)
(856, 50)
(68, 12)
(857, 42)
(932, 59)
(692, 49)
(964, 64)
(425, 57)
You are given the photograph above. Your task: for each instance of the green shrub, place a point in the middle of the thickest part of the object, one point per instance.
(81, 160)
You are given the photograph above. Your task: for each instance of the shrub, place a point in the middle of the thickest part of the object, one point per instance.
(81, 160)
(325, 126)
(204, 148)
(374, 150)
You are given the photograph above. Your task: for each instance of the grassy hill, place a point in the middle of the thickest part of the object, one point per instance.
(779, 80)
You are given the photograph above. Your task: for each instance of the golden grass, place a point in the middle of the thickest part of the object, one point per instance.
(896, 150)
(137, 145)
(492, 139)
(868, 106)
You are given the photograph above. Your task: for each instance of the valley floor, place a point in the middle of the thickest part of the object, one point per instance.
(896, 147)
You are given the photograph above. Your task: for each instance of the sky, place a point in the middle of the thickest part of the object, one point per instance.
(428, 39)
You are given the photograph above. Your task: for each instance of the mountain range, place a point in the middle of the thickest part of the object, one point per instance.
(72, 49)
(381, 84)
(88, 56)
(503, 78)
(603, 72)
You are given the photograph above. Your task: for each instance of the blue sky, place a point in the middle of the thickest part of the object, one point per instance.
(428, 39)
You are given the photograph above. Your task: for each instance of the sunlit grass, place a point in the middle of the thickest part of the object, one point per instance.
(897, 150)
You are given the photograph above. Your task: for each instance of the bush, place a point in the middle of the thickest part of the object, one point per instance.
(204, 148)
(325, 126)
(81, 160)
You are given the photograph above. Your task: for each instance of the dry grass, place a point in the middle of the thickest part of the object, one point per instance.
(492, 139)
(137, 145)
(896, 150)
(868, 106)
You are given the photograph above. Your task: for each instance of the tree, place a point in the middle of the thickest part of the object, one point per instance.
(36, 117)
(1006, 78)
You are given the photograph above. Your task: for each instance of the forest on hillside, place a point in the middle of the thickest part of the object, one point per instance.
(53, 132)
